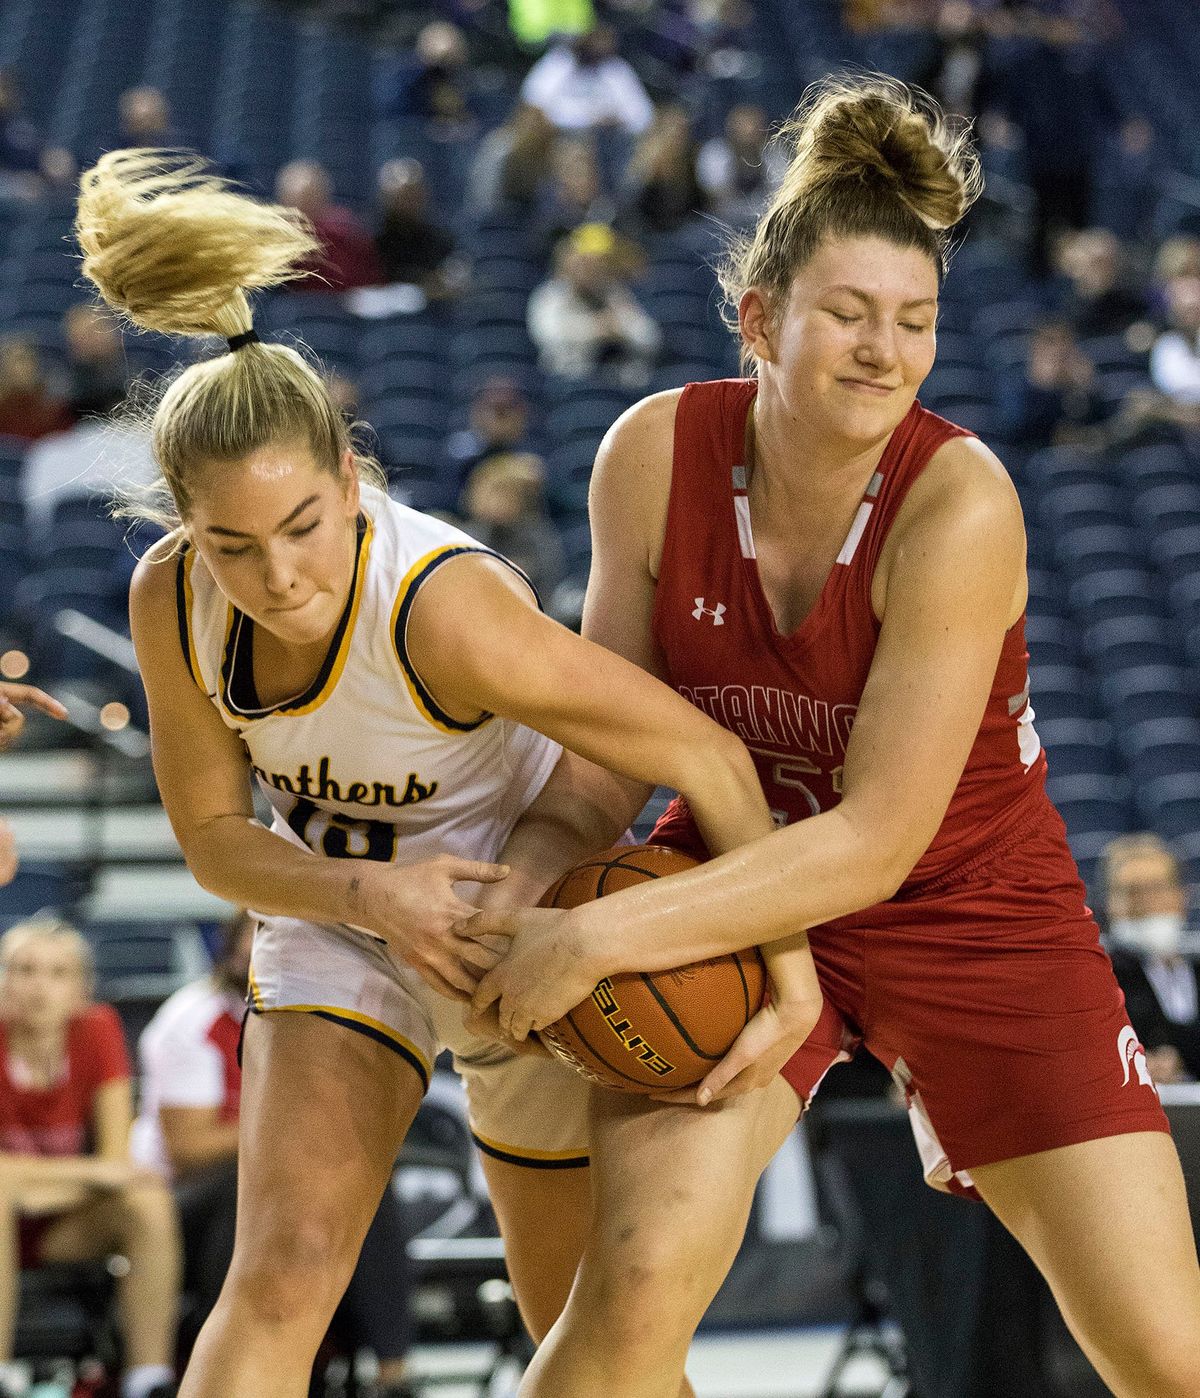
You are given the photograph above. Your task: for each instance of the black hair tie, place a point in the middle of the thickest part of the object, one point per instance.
(247, 337)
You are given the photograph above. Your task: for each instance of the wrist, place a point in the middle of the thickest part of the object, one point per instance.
(365, 894)
(580, 934)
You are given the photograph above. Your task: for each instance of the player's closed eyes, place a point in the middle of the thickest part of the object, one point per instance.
(292, 534)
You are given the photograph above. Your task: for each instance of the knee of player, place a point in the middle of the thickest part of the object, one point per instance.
(284, 1273)
(644, 1281)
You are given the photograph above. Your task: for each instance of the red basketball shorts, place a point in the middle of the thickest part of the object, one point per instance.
(989, 998)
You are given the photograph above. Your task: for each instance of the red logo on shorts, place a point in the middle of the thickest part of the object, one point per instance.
(1133, 1055)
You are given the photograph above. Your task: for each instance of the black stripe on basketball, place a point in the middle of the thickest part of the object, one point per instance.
(600, 1058)
(741, 970)
(663, 1005)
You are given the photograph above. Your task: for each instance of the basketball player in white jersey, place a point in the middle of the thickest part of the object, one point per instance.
(381, 676)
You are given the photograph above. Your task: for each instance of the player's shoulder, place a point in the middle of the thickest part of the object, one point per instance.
(964, 483)
(155, 576)
(636, 454)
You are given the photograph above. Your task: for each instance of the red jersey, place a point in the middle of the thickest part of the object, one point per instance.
(792, 699)
(57, 1120)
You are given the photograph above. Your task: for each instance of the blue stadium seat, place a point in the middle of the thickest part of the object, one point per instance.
(1106, 592)
(1072, 505)
(1168, 506)
(1078, 745)
(1118, 642)
(1052, 640)
(1062, 691)
(1079, 549)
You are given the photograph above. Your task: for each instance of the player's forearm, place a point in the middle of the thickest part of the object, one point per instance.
(724, 794)
(30, 1171)
(240, 860)
(804, 874)
(581, 810)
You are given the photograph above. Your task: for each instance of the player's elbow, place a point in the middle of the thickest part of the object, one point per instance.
(721, 781)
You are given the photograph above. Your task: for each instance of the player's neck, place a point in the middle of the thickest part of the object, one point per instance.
(794, 470)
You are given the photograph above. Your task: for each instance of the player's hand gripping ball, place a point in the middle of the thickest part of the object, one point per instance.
(651, 1032)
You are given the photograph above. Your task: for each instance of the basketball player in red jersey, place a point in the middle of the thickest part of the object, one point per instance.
(837, 576)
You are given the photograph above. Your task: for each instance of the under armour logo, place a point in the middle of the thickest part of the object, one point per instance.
(1133, 1054)
(717, 613)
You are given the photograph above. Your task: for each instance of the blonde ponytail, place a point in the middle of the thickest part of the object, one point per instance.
(173, 247)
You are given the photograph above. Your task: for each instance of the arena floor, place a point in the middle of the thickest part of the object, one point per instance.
(771, 1364)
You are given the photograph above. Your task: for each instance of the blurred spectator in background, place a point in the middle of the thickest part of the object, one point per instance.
(85, 461)
(1048, 81)
(1129, 182)
(533, 22)
(29, 408)
(740, 170)
(97, 374)
(71, 1192)
(1098, 299)
(662, 190)
(503, 508)
(187, 1126)
(1146, 905)
(1053, 397)
(348, 258)
(576, 194)
(145, 119)
(187, 1133)
(954, 69)
(499, 424)
(1175, 358)
(27, 165)
(513, 163)
(583, 84)
(585, 320)
(434, 85)
(413, 247)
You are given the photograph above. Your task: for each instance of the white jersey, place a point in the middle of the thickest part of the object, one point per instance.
(364, 763)
(188, 1057)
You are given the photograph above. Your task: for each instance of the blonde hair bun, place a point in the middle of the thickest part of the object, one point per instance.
(174, 247)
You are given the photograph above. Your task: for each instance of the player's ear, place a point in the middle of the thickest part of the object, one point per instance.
(348, 473)
(756, 324)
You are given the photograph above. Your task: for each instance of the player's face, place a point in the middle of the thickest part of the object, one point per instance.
(277, 534)
(856, 337)
(43, 984)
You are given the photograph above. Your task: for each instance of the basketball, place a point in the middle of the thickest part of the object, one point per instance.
(644, 1032)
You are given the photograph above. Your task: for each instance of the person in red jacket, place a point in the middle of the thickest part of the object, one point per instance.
(838, 577)
(68, 1190)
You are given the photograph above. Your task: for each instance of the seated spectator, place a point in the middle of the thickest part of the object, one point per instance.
(1175, 358)
(585, 320)
(499, 424)
(513, 162)
(348, 258)
(1052, 398)
(434, 85)
(145, 119)
(187, 1133)
(1146, 906)
(576, 194)
(740, 170)
(27, 166)
(412, 247)
(662, 190)
(503, 508)
(82, 462)
(534, 22)
(583, 85)
(29, 408)
(70, 1189)
(97, 374)
(1098, 300)
(1129, 183)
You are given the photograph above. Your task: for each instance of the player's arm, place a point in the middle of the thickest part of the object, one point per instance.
(584, 807)
(203, 776)
(954, 584)
(112, 1119)
(196, 1137)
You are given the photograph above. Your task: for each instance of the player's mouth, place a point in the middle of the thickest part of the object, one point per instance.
(867, 386)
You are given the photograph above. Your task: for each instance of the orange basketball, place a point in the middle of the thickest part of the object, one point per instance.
(644, 1032)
